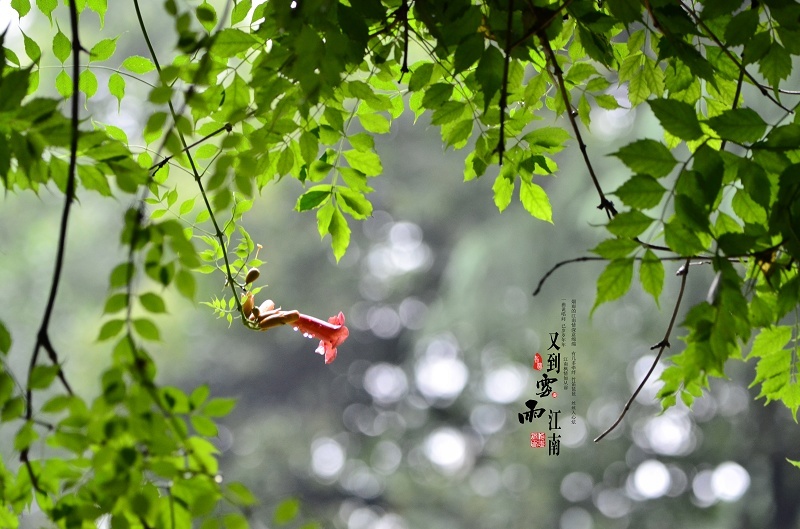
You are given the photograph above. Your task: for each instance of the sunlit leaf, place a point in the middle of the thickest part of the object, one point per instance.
(614, 282)
(648, 157)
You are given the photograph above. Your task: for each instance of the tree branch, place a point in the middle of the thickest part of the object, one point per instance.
(155, 167)
(501, 142)
(42, 337)
(663, 344)
(605, 204)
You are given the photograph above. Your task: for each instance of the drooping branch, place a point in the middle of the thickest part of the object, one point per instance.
(42, 337)
(663, 344)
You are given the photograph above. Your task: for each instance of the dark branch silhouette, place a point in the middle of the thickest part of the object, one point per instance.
(663, 344)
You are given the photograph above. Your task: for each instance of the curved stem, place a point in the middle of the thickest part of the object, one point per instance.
(663, 344)
(605, 204)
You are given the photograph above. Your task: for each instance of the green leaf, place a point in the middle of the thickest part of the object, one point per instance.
(32, 49)
(47, 7)
(677, 118)
(313, 198)
(362, 142)
(770, 340)
(100, 7)
(286, 511)
(116, 86)
(626, 11)
(651, 274)
(207, 16)
(606, 101)
(285, 161)
(240, 10)
(535, 201)
(614, 282)
(740, 125)
(199, 396)
(420, 77)
(22, 7)
(682, 240)
(138, 64)
(13, 409)
(367, 162)
(776, 64)
(231, 41)
(110, 329)
(353, 202)
(103, 50)
(5, 339)
(204, 426)
(324, 218)
(153, 302)
(641, 192)
(375, 123)
(309, 146)
(550, 139)
(61, 47)
(647, 156)
(615, 248)
(186, 206)
(785, 137)
(219, 407)
(146, 329)
(340, 234)
(186, 284)
(448, 112)
(115, 303)
(489, 74)
(120, 275)
(747, 208)
(41, 377)
(436, 95)
(235, 520)
(629, 223)
(87, 83)
(503, 189)
(25, 437)
(468, 52)
(458, 134)
(741, 27)
(240, 495)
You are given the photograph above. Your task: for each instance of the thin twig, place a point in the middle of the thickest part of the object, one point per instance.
(403, 10)
(559, 265)
(698, 260)
(501, 142)
(218, 233)
(605, 204)
(541, 25)
(663, 344)
(155, 167)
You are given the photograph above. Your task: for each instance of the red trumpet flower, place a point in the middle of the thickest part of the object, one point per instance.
(330, 333)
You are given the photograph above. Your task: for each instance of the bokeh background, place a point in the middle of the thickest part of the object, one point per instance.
(415, 424)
